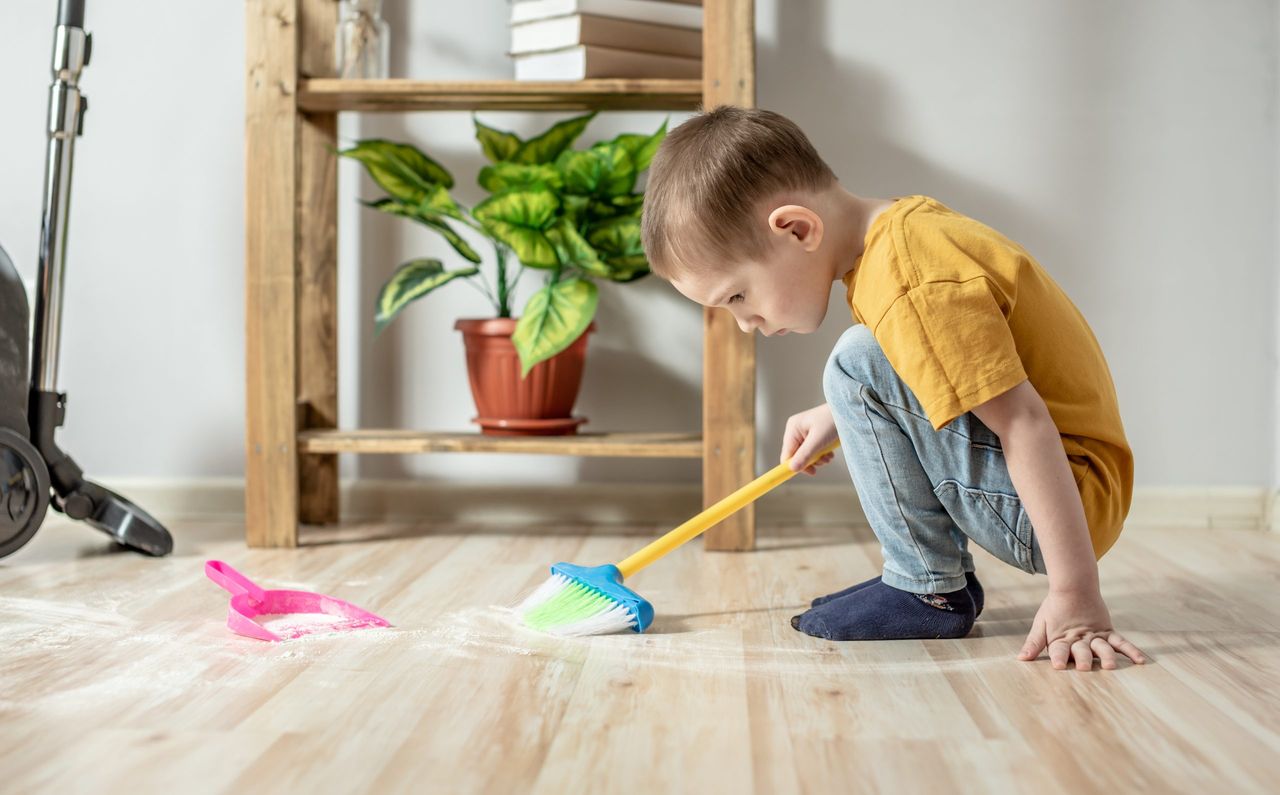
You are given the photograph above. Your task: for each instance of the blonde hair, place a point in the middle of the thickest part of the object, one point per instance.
(708, 179)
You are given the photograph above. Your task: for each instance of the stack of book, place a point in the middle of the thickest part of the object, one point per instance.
(580, 39)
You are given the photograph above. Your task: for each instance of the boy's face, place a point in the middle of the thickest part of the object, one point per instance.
(785, 290)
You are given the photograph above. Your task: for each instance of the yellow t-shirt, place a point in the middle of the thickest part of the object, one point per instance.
(965, 314)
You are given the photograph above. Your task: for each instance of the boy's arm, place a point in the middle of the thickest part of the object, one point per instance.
(1073, 620)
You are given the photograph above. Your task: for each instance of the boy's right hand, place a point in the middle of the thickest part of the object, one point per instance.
(806, 434)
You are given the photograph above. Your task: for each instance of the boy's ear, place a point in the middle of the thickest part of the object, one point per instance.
(798, 222)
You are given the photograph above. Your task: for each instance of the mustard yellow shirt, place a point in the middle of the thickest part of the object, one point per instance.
(964, 314)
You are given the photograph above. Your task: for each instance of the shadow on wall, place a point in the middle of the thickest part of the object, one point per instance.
(626, 389)
(847, 109)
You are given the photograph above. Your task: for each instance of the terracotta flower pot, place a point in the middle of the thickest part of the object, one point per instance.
(540, 404)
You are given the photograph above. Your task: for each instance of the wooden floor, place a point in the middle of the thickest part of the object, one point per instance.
(118, 674)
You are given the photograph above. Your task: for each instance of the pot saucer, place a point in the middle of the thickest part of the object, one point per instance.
(558, 426)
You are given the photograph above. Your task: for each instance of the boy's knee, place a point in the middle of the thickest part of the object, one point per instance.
(856, 358)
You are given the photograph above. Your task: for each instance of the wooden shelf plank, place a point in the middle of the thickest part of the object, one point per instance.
(620, 445)
(329, 95)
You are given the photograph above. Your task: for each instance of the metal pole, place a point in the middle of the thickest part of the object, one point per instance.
(71, 49)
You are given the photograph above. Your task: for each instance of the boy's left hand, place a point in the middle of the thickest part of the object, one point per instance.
(1076, 625)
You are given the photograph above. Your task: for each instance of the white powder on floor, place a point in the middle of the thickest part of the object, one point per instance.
(288, 625)
(156, 660)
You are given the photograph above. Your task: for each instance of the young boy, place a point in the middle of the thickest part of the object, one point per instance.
(971, 398)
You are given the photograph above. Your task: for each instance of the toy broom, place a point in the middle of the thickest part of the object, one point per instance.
(591, 600)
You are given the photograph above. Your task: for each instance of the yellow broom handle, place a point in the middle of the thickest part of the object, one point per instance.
(714, 515)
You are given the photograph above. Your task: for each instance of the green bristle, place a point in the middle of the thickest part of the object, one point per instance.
(574, 603)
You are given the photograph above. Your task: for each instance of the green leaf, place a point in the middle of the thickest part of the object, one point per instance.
(399, 169)
(553, 319)
(624, 275)
(503, 176)
(531, 246)
(581, 172)
(642, 147)
(618, 242)
(628, 202)
(574, 251)
(428, 219)
(548, 146)
(411, 281)
(618, 176)
(575, 207)
(498, 145)
(519, 218)
(616, 237)
(603, 170)
(438, 202)
(614, 206)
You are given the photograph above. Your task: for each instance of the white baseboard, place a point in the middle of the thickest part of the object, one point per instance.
(1238, 507)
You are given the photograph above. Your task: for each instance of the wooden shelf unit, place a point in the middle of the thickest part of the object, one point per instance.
(291, 395)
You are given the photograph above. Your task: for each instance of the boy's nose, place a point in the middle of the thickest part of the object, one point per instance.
(749, 326)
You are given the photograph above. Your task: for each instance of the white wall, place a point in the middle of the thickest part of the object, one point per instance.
(1131, 146)
(153, 350)
(1275, 173)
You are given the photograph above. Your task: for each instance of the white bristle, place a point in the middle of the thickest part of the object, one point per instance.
(553, 585)
(615, 618)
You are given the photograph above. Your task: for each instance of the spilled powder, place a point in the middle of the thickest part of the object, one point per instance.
(772, 650)
(290, 624)
(169, 660)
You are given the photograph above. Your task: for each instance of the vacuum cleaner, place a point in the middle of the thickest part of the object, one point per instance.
(34, 473)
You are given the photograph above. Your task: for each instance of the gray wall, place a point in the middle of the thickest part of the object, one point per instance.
(1132, 147)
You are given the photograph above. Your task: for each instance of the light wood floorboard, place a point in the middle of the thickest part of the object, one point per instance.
(119, 675)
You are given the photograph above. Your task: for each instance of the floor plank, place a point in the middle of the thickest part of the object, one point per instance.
(120, 675)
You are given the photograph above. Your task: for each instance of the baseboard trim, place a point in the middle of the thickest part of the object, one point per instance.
(1236, 507)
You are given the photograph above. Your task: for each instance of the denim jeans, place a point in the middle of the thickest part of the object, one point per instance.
(926, 493)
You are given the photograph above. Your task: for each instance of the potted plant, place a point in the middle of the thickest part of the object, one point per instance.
(572, 214)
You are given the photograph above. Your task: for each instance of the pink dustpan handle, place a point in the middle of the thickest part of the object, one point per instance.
(232, 580)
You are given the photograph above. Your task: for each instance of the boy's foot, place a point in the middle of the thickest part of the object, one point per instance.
(880, 612)
(971, 583)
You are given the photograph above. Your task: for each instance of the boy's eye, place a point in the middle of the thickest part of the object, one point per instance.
(735, 298)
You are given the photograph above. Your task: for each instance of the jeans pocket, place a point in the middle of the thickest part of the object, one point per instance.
(993, 520)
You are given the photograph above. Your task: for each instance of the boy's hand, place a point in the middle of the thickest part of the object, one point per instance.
(806, 434)
(1076, 625)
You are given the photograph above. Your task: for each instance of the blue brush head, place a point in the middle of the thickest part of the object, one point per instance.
(608, 580)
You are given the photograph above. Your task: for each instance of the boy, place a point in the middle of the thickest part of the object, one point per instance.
(971, 398)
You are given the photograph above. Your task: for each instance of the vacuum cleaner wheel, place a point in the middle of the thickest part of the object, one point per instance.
(24, 491)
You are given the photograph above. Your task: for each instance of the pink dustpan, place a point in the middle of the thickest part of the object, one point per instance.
(282, 615)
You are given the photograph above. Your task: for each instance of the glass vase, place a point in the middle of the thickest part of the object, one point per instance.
(362, 41)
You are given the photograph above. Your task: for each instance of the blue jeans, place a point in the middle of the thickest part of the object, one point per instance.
(926, 493)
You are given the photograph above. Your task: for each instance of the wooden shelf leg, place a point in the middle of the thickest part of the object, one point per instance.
(317, 224)
(729, 356)
(317, 383)
(271, 134)
(728, 425)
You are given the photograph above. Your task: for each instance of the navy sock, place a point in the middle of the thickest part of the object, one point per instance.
(824, 599)
(880, 612)
(974, 588)
(970, 582)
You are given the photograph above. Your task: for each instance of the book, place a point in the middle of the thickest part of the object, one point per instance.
(585, 61)
(660, 12)
(623, 34)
